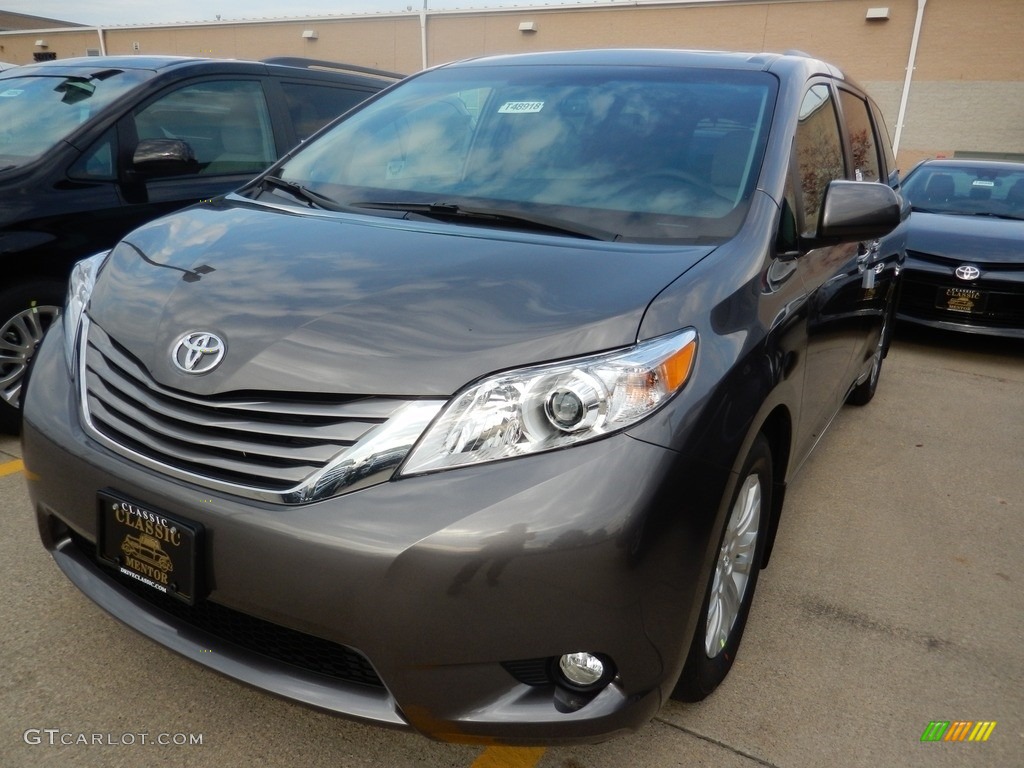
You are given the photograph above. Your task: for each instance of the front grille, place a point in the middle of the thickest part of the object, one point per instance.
(312, 654)
(266, 442)
(919, 298)
(921, 291)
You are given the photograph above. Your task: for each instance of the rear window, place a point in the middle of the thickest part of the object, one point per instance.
(650, 153)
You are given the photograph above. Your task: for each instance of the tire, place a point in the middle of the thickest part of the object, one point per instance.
(26, 311)
(724, 612)
(863, 393)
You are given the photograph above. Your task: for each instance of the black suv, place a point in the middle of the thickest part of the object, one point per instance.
(91, 148)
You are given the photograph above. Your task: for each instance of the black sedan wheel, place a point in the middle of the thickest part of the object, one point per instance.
(26, 311)
(736, 567)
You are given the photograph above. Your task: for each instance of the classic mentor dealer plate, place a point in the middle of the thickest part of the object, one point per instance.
(967, 300)
(149, 546)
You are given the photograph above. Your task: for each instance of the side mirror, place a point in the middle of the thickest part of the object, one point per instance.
(164, 157)
(858, 210)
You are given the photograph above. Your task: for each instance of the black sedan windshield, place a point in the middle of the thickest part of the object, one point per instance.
(982, 190)
(642, 153)
(38, 111)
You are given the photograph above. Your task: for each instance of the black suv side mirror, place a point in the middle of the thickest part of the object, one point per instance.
(857, 210)
(164, 157)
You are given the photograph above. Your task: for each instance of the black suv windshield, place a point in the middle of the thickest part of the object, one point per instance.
(642, 153)
(37, 111)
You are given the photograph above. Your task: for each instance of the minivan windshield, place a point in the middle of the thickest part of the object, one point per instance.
(37, 111)
(647, 154)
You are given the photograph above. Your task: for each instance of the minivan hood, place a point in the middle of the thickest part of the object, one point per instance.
(311, 302)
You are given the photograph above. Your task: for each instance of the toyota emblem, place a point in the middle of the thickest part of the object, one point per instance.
(967, 272)
(198, 352)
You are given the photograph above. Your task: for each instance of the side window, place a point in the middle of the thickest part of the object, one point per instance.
(97, 163)
(819, 153)
(311, 107)
(863, 146)
(226, 123)
(887, 153)
(786, 240)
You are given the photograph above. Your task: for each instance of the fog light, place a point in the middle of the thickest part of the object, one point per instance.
(583, 670)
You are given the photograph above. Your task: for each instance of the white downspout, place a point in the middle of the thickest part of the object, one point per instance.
(423, 34)
(103, 42)
(911, 63)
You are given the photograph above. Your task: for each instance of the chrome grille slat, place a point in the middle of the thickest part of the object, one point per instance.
(367, 409)
(179, 454)
(278, 448)
(176, 439)
(240, 428)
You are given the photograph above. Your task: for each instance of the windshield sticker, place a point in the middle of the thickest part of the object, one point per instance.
(11, 93)
(982, 183)
(521, 107)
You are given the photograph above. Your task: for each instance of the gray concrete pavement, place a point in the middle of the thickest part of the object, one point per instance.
(895, 597)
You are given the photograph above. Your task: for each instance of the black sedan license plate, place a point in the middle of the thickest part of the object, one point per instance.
(967, 300)
(149, 546)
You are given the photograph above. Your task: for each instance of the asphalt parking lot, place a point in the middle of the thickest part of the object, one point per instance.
(895, 597)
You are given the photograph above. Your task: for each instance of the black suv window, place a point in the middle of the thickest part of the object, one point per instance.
(313, 106)
(863, 146)
(226, 123)
(819, 152)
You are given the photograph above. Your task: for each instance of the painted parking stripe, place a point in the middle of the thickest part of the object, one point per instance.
(11, 467)
(509, 757)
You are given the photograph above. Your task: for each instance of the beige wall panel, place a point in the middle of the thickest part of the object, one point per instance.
(975, 117)
(19, 48)
(391, 43)
(839, 33)
(455, 37)
(976, 40)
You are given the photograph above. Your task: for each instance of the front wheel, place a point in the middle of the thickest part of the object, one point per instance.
(26, 311)
(733, 579)
(864, 393)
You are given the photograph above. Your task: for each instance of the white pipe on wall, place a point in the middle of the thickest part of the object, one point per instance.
(911, 64)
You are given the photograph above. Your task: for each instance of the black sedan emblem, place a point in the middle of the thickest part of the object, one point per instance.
(967, 272)
(198, 352)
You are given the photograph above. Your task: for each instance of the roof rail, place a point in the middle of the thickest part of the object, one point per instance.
(299, 61)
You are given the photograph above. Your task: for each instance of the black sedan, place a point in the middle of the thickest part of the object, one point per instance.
(965, 247)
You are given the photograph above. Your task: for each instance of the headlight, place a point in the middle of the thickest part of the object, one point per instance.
(83, 278)
(555, 405)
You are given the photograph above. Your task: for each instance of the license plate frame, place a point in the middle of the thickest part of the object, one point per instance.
(966, 301)
(150, 546)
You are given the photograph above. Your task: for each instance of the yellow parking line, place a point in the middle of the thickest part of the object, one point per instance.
(11, 467)
(509, 757)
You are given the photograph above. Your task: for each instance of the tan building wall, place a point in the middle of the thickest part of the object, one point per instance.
(966, 93)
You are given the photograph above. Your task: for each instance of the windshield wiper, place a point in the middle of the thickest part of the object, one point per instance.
(994, 215)
(500, 216)
(305, 194)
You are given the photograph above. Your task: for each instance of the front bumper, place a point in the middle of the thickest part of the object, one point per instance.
(440, 586)
(998, 310)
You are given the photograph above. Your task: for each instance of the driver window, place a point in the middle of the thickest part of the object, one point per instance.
(862, 137)
(819, 153)
(226, 123)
